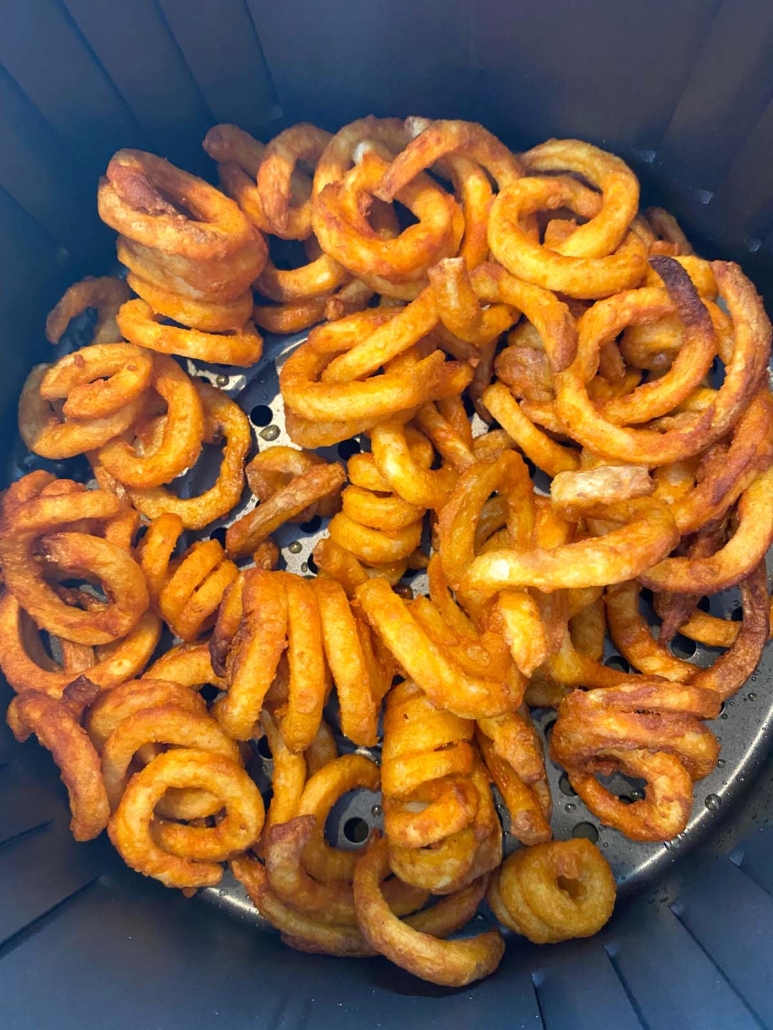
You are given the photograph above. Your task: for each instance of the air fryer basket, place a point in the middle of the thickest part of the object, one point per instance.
(682, 91)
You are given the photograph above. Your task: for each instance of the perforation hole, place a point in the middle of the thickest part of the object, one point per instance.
(586, 830)
(263, 748)
(312, 525)
(617, 662)
(347, 448)
(682, 646)
(219, 535)
(469, 408)
(405, 216)
(261, 415)
(51, 646)
(356, 830)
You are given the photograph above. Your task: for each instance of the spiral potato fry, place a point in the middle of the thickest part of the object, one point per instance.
(452, 963)
(291, 486)
(513, 756)
(106, 294)
(57, 729)
(553, 892)
(376, 525)
(302, 143)
(304, 933)
(139, 324)
(167, 725)
(207, 316)
(434, 140)
(38, 512)
(213, 255)
(482, 324)
(322, 790)
(359, 678)
(279, 611)
(226, 423)
(425, 778)
(181, 433)
(186, 856)
(728, 673)
(470, 695)
(326, 903)
(344, 232)
(307, 395)
(648, 729)
(46, 432)
(239, 157)
(98, 381)
(26, 665)
(437, 808)
(462, 857)
(188, 592)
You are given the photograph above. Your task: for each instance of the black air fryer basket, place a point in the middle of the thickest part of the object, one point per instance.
(682, 90)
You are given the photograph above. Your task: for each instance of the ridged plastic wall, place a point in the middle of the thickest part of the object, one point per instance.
(682, 89)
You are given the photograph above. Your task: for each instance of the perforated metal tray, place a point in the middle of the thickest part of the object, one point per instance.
(744, 727)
